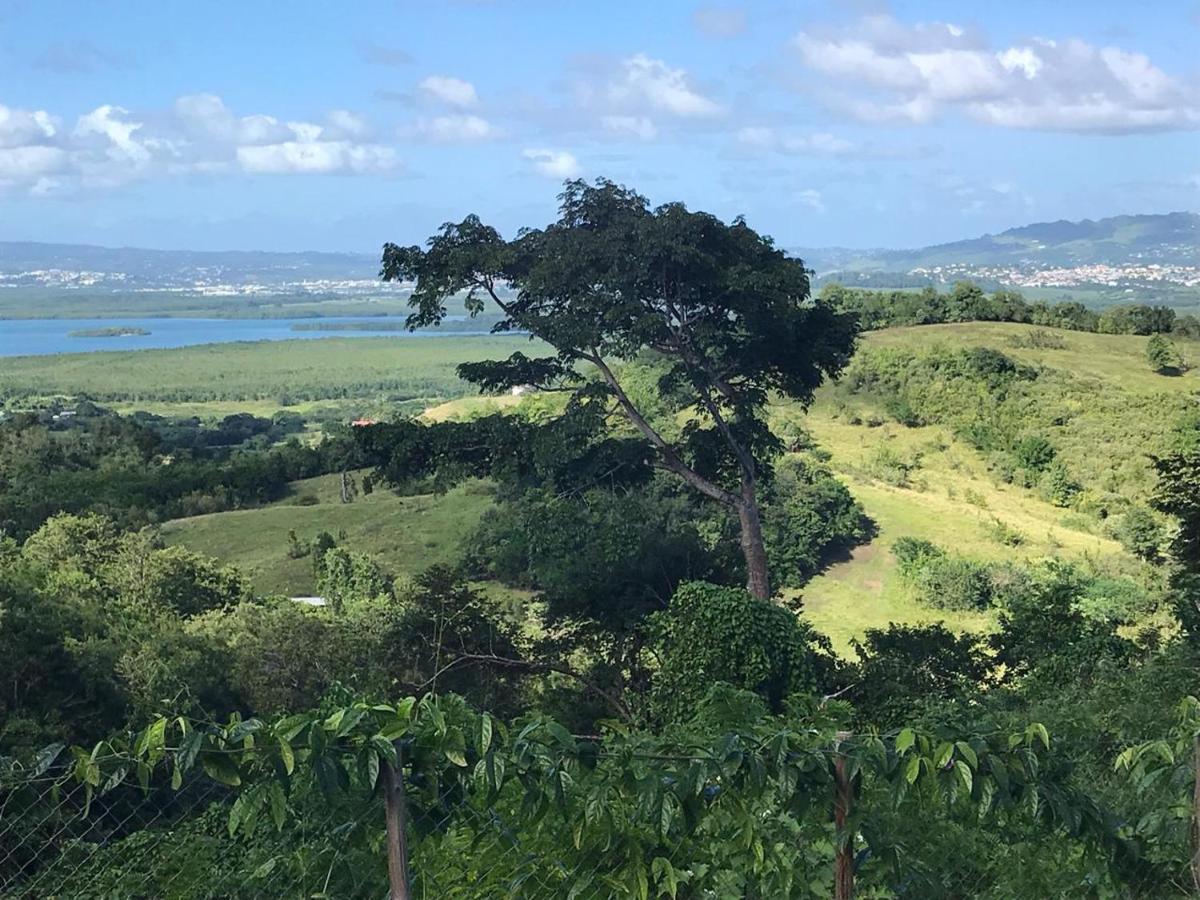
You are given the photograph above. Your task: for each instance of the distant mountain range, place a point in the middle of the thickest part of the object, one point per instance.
(1170, 239)
(1133, 245)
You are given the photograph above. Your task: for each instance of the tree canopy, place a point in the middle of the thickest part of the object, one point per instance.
(731, 314)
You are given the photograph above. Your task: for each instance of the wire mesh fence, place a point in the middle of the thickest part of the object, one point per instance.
(129, 843)
(782, 814)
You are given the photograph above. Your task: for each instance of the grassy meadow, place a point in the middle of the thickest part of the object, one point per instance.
(407, 534)
(259, 376)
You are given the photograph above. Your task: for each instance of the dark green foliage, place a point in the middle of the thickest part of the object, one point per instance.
(1034, 453)
(78, 601)
(143, 469)
(712, 634)
(966, 302)
(809, 518)
(1163, 356)
(344, 576)
(906, 667)
(943, 580)
(570, 453)
(1141, 533)
(1178, 496)
(602, 558)
(1057, 485)
(1044, 631)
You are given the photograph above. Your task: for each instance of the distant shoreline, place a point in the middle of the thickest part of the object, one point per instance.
(126, 331)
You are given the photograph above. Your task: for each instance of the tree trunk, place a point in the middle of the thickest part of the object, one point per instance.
(758, 578)
(396, 811)
(843, 863)
(1196, 815)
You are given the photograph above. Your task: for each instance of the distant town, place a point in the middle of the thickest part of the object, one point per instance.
(1074, 276)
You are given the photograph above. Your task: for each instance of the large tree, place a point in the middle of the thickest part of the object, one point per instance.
(732, 316)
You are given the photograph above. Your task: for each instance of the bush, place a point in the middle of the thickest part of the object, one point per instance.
(1034, 453)
(808, 517)
(905, 666)
(712, 634)
(942, 580)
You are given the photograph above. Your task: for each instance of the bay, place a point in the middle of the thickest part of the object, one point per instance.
(41, 337)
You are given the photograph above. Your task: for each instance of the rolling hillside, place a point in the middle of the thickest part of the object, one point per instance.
(953, 497)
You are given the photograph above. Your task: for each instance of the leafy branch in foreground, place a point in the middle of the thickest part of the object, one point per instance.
(625, 811)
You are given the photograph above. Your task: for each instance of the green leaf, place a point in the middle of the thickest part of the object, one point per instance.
(1037, 728)
(186, 757)
(912, 769)
(372, 767)
(942, 757)
(220, 767)
(287, 756)
(964, 772)
(1039, 731)
(236, 813)
(904, 740)
(967, 753)
(45, 759)
(264, 870)
(278, 804)
(455, 756)
(485, 733)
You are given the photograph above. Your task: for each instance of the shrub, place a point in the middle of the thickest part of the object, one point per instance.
(942, 580)
(1140, 533)
(808, 516)
(714, 634)
(1034, 453)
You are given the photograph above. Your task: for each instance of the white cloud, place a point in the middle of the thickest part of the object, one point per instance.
(885, 71)
(448, 89)
(110, 124)
(315, 157)
(198, 134)
(820, 143)
(630, 126)
(456, 129)
(347, 123)
(205, 117)
(812, 199)
(19, 164)
(557, 164)
(720, 21)
(644, 84)
(20, 127)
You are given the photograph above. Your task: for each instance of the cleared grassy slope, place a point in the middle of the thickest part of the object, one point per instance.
(951, 501)
(1118, 359)
(407, 534)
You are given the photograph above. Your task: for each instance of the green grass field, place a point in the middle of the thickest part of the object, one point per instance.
(952, 501)
(260, 374)
(1117, 359)
(407, 534)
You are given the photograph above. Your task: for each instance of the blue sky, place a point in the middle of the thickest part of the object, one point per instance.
(312, 125)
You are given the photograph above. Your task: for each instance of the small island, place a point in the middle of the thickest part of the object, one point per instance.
(122, 331)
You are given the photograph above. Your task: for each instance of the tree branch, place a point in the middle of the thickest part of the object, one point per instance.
(670, 458)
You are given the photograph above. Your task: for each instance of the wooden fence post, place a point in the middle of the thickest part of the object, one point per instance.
(843, 861)
(1196, 814)
(396, 810)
